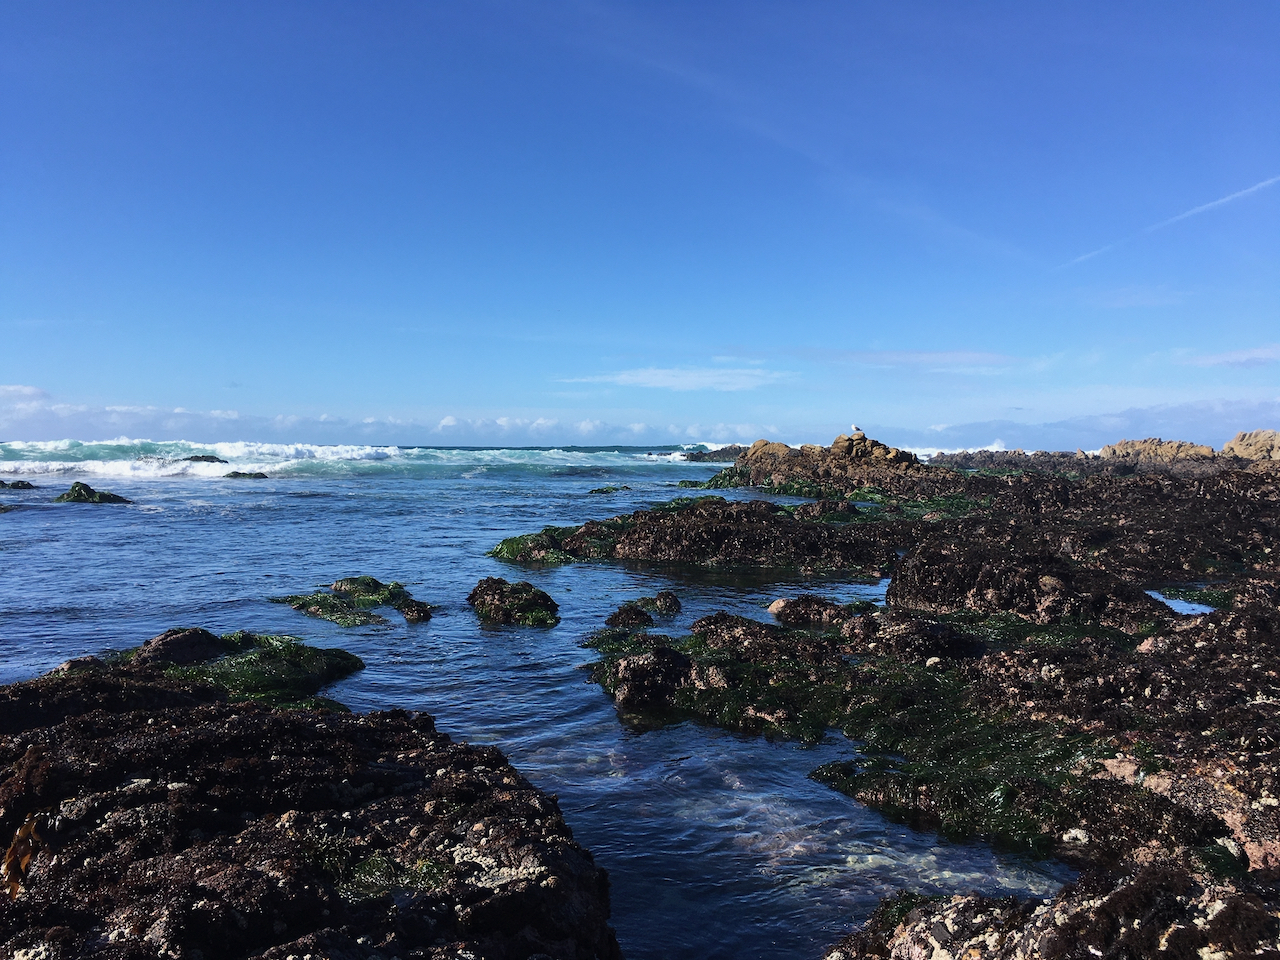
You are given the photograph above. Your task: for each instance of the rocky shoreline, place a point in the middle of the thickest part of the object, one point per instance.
(1022, 684)
(194, 799)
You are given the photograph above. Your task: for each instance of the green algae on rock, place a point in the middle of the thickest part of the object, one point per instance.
(83, 493)
(496, 602)
(350, 602)
(278, 671)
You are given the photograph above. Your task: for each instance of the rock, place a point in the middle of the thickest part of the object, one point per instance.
(183, 647)
(647, 681)
(241, 475)
(809, 610)
(168, 823)
(1154, 448)
(22, 485)
(665, 603)
(629, 616)
(1254, 445)
(726, 454)
(83, 493)
(351, 601)
(496, 602)
(951, 575)
(608, 490)
(203, 458)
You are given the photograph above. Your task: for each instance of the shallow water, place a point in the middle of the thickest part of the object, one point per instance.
(717, 845)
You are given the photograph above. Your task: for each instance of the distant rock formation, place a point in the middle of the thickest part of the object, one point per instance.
(1254, 445)
(1154, 448)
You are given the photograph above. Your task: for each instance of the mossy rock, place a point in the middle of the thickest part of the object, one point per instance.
(83, 493)
(497, 602)
(275, 670)
(544, 547)
(352, 600)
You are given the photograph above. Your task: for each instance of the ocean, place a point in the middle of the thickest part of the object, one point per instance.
(717, 845)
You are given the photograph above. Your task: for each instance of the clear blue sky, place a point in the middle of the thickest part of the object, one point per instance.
(578, 222)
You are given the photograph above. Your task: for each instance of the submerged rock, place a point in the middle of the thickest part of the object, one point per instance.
(83, 493)
(19, 485)
(496, 601)
(203, 458)
(241, 475)
(151, 817)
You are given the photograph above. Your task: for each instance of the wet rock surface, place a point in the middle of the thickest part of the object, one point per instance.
(350, 602)
(498, 602)
(710, 531)
(152, 816)
(83, 493)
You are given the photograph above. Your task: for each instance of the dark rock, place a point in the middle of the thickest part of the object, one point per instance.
(666, 603)
(648, 681)
(986, 576)
(164, 827)
(22, 485)
(204, 458)
(351, 601)
(83, 493)
(496, 601)
(723, 455)
(183, 647)
(629, 615)
(241, 475)
(809, 610)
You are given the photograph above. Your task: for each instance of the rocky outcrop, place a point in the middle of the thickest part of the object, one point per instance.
(497, 602)
(1254, 445)
(1159, 910)
(218, 830)
(158, 807)
(83, 493)
(710, 531)
(852, 462)
(951, 575)
(245, 475)
(726, 454)
(1153, 448)
(350, 602)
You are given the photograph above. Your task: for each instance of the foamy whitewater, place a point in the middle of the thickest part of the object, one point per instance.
(717, 845)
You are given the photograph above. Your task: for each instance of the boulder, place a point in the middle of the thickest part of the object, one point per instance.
(496, 602)
(83, 493)
(183, 647)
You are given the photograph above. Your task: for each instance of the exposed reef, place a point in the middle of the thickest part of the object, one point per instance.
(497, 602)
(711, 531)
(1025, 683)
(350, 602)
(152, 815)
(83, 493)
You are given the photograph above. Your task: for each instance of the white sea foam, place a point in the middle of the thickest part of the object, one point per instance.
(144, 459)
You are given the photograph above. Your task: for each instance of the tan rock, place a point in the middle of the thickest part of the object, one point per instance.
(1255, 445)
(1153, 448)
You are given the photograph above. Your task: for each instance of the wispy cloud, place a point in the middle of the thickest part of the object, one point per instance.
(1255, 357)
(934, 361)
(1194, 211)
(689, 378)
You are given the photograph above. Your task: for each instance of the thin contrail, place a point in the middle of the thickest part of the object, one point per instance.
(1172, 220)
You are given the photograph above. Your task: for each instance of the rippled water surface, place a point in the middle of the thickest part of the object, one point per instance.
(717, 845)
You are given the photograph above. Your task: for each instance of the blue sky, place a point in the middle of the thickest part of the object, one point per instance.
(1049, 225)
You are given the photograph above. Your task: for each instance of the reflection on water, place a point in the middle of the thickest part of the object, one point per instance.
(718, 845)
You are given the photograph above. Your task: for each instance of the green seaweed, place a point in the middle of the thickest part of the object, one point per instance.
(545, 547)
(274, 670)
(357, 879)
(351, 600)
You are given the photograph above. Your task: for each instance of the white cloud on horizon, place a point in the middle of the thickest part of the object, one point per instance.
(723, 379)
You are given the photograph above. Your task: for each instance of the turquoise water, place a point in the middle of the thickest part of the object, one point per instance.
(717, 845)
